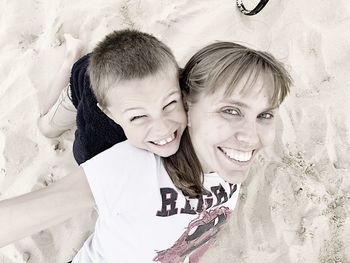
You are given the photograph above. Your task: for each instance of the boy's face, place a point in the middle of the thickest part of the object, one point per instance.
(150, 111)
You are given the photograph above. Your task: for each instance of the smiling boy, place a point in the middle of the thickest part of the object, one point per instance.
(131, 79)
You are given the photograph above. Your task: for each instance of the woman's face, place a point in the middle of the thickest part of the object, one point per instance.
(228, 131)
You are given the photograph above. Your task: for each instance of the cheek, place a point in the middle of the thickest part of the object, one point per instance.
(220, 128)
(212, 131)
(134, 134)
(178, 116)
(206, 126)
(267, 135)
(181, 117)
(180, 110)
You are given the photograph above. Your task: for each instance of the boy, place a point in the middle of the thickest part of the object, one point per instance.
(124, 58)
(134, 79)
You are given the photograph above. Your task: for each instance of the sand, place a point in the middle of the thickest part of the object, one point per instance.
(295, 205)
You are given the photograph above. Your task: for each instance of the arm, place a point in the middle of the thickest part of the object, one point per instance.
(29, 213)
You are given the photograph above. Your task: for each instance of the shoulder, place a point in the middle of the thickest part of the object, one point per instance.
(124, 150)
(122, 156)
(113, 172)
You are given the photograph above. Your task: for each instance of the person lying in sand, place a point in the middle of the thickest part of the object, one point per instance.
(151, 209)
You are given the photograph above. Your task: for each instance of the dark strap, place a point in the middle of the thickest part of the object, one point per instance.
(254, 11)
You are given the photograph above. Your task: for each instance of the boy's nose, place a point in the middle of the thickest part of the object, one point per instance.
(161, 128)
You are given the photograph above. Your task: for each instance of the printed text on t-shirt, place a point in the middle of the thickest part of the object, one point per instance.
(215, 197)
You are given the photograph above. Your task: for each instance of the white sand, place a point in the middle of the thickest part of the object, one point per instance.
(295, 205)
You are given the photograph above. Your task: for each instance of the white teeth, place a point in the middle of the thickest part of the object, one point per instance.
(166, 140)
(162, 142)
(237, 155)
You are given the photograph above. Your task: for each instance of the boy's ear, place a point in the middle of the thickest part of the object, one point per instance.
(105, 111)
(100, 107)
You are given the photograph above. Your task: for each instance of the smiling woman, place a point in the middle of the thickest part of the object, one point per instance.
(233, 93)
(227, 131)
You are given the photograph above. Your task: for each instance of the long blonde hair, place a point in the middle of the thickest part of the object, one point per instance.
(225, 64)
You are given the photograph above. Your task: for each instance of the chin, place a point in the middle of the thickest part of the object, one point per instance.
(166, 152)
(165, 155)
(235, 177)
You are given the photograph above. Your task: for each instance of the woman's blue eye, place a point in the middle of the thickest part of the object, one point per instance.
(232, 111)
(137, 117)
(266, 116)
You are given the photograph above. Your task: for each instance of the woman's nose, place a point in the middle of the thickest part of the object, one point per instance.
(248, 134)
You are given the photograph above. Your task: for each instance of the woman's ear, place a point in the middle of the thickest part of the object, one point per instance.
(188, 111)
(188, 120)
(185, 101)
(187, 106)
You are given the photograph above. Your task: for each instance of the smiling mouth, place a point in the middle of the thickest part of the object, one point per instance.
(236, 155)
(165, 141)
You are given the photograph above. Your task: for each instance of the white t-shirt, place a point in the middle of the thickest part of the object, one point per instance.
(143, 217)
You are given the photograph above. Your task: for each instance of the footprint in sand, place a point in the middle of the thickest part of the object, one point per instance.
(74, 46)
(73, 51)
(18, 153)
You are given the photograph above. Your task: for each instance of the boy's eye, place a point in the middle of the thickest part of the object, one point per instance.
(266, 115)
(137, 117)
(170, 106)
(232, 111)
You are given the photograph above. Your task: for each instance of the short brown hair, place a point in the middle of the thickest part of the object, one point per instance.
(125, 55)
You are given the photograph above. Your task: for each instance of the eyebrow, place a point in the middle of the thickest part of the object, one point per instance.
(140, 108)
(244, 105)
